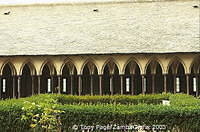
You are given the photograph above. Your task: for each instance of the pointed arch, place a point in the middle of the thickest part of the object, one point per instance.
(31, 67)
(13, 69)
(91, 63)
(26, 88)
(154, 76)
(69, 64)
(50, 66)
(132, 78)
(194, 79)
(8, 72)
(107, 62)
(90, 78)
(176, 80)
(48, 77)
(131, 60)
(69, 78)
(195, 65)
(153, 62)
(175, 61)
(111, 78)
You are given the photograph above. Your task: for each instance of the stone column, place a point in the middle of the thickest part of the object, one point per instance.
(59, 84)
(197, 82)
(153, 83)
(165, 82)
(71, 88)
(79, 85)
(91, 85)
(39, 84)
(188, 83)
(174, 78)
(52, 84)
(1, 87)
(19, 86)
(100, 84)
(143, 84)
(132, 84)
(14, 91)
(122, 90)
(32, 85)
(111, 84)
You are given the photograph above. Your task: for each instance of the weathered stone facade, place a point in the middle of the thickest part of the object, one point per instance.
(121, 48)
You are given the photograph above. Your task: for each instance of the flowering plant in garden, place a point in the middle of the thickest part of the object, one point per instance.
(42, 116)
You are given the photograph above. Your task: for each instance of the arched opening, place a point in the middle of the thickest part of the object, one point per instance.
(69, 83)
(159, 80)
(195, 78)
(48, 80)
(7, 90)
(111, 79)
(26, 82)
(90, 80)
(176, 79)
(86, 90)
(133, 79)
(154, 78)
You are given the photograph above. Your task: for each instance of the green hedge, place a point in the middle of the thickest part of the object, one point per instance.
(183, 114)
(116, 99)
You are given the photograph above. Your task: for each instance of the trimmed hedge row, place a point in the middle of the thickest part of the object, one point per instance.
(116, 99)
(183, 114)
(186, 119)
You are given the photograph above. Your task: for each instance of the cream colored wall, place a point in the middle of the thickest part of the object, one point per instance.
(99, 60)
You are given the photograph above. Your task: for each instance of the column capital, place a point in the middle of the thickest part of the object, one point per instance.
(58, 75)
(18, 76)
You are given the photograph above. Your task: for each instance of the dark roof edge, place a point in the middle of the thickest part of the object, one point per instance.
(103, 54)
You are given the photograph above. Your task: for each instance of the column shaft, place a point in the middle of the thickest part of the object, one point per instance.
(14, 93)
(32, 85)
(79, 85)
(153, 83)
(0, 86)
(143, 84)
(188, 83)
(111, 84)
(59, 84)
(19, 86)
(91, 85)
(174, 76)
(39, 84)
(100, 84)
(132, 84)
(122, 90)
(71, 88)
(197, 83)
(165, 83)
(52, 84)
